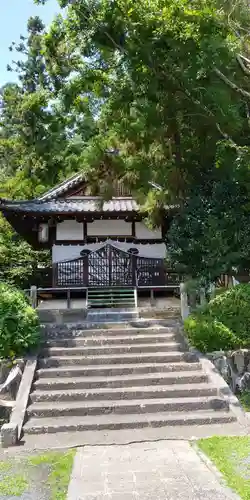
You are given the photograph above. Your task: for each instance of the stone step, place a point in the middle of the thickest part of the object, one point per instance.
(139, 323)
(129, 421)
(124, 313)
(107, 349)
(74, 329)
(109, 359)
(110, 294)
(114, 393)
(77, 408)
(63, 332)
(111, 302)
(121, 314)
(113, 339)
(103, 290)
(121, 369)
(131, 380)
(100, 318)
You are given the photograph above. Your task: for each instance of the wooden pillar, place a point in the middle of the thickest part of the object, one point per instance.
(110, 256)
(85, 231)
(134, 268)
(68, 299)
(85, 256)
(54, 275)
(52, 235)
(133, 229)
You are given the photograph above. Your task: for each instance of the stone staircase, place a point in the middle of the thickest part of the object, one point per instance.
(121, 377)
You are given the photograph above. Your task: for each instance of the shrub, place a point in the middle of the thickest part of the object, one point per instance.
(232, 308)
(220, 290)
(208, 334)
(19, 324)
(224, 323)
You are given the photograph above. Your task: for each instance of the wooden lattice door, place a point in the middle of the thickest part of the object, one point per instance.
(110, 266)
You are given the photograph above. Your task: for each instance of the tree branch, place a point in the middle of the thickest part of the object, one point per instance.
(245, 58)
(242, 65)
(208, 112)
(232, 85)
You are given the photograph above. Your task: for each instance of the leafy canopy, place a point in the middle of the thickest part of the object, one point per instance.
(164, 82)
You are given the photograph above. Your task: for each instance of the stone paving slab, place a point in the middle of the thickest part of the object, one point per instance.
(164, 470)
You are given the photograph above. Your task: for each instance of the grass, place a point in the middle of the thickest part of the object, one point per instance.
(60, 467)
(14, 485)
(17, 476)
(231, 455)
(11, 483)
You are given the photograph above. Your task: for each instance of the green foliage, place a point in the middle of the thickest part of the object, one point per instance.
(224, 323)
(244, 398)
(232, 308)
(19, 263)
(170, 87)
(220, 290)
(208, 334)
(211, 235)
(164, 81)
(14, 485)
(19, 324)
(162, 100)
(41, 142)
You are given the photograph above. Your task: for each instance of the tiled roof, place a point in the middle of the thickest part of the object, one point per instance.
(71, 206)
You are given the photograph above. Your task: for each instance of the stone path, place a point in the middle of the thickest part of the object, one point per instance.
(164, 470)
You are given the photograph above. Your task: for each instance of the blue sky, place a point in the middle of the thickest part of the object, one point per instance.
(13, 19)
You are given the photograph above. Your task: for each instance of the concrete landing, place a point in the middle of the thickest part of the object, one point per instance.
(163, 470)
(66, 440)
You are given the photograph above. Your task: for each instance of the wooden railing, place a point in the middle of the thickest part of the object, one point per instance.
(71, 273)
(35, 293)
(118, 268)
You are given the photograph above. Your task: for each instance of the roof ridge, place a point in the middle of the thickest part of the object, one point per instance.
(60, 186)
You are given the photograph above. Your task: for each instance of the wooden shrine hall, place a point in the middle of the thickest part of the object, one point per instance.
(94, 243)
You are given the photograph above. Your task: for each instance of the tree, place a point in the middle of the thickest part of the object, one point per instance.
(173, 80)
(41, 142)
(168, 84)
(163, 70)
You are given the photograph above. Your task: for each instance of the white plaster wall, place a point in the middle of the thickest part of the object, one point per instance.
(143, 233)
(109, 228)
(73, 230)
(69, 230)
(68, 252)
